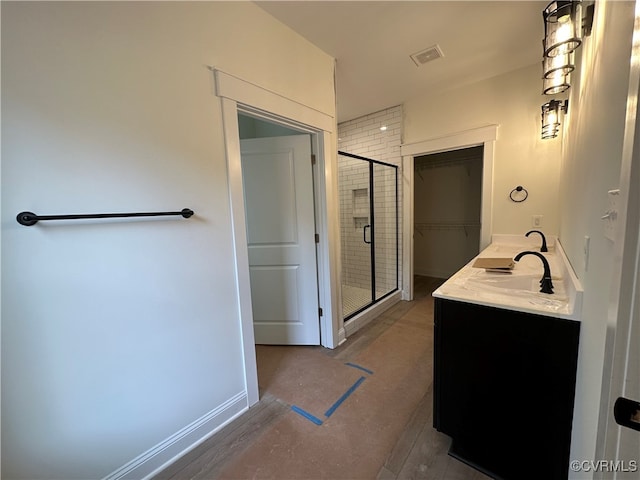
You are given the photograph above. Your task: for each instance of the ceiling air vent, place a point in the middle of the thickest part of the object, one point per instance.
(428, 54)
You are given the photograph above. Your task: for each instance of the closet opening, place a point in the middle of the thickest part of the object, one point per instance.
(447, 210)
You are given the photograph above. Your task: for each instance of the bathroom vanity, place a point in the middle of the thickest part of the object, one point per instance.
(505, 362)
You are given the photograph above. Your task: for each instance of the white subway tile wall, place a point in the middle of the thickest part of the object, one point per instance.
(364, 137)
(353, 181)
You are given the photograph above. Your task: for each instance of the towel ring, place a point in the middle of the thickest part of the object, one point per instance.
(517, 191)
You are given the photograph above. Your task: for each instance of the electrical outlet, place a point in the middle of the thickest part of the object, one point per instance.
(536, 220)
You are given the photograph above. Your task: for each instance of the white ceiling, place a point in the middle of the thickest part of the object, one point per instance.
(372, 41)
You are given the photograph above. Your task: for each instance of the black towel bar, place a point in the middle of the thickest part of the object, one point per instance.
(29, 218)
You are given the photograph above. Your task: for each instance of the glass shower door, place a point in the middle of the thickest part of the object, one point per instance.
(355, 234)
(386, 230)
(369, 231)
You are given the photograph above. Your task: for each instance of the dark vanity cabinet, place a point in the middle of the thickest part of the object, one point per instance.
(504, 386)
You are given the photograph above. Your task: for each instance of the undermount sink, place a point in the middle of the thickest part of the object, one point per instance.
(510, 282)
(523, 286)
(519, 289)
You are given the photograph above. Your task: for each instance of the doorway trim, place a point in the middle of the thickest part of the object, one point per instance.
(239, 96)
(485, 136)
(619, 376)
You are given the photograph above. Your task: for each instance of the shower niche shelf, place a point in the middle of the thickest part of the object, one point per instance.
(360, 222)
(360, 202)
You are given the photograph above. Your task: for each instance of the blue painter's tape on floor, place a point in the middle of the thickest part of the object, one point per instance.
(352, 389)
(306, 415)
(349, 364)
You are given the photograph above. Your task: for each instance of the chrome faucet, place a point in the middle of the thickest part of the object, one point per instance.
(543, 248)
(546, 286)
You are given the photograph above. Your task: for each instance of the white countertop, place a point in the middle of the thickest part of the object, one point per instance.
(520, 289)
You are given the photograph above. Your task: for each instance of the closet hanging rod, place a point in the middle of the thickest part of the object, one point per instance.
(29, 218)
(446, 225)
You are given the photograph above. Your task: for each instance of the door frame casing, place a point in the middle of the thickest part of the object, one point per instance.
(239, 96)
(485, 136)
(623, 316)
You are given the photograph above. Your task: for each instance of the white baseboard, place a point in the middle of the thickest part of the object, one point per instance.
(342, 336)
(183, 441)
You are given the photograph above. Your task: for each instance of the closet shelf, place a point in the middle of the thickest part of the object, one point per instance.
(445, 225)
(445, 162)
(420, 227)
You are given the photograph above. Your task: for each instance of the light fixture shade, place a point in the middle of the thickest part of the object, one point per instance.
(558, 66)
(562, 27)
(551, 118)
(550, 132)
(556, 84)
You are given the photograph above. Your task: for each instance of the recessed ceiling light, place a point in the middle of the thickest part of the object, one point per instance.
(427, 55)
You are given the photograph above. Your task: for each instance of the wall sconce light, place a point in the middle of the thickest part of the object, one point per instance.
(556, 84)
(560, 65)
(551, 117)
(564, 26)
(555, 73)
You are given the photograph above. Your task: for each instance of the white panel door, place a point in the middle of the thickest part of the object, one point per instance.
(623, 443)
(628, 381)
(278, 189)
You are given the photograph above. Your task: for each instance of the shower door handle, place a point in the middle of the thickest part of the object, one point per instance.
(364, 234)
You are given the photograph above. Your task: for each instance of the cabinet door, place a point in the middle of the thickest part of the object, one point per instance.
(504, 388)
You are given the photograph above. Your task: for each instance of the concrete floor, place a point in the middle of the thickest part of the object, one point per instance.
(361, 411)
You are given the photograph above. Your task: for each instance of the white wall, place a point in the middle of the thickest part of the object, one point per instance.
(513, 102)
(592, 152)
(118, 334)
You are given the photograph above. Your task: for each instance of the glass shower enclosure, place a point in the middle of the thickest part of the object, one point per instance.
(369, 231)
